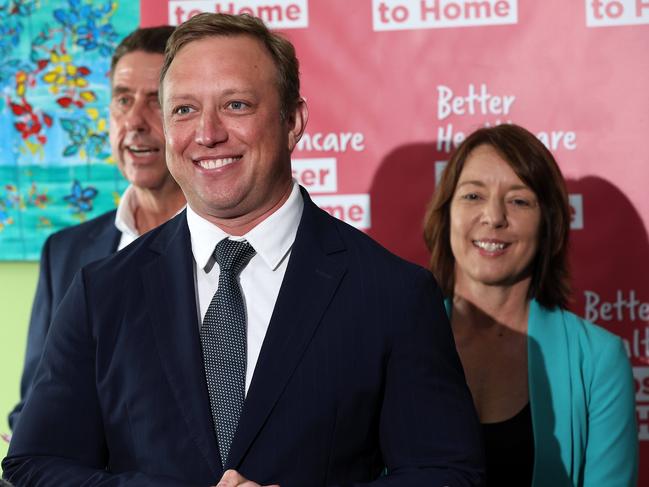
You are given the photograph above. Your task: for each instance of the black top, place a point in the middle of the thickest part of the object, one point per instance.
(509, 450)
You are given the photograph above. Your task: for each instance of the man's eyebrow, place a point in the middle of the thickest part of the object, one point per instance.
(120, 90)
(238, 91)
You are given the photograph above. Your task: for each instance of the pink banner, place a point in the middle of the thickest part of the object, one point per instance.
(394, 85)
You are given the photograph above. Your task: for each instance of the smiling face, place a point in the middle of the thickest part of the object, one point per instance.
(136, 135)
(495, 222)
(227, 145)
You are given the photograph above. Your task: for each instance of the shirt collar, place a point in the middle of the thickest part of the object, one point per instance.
(125, 216)
(272, 238)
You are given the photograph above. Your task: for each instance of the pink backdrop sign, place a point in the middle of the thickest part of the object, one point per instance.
(394, 85)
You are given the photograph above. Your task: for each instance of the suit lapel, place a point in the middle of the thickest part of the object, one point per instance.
(170, 296)
(103, 240)
(316, 266)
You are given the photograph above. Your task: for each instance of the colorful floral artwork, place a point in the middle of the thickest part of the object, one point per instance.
(55, 164)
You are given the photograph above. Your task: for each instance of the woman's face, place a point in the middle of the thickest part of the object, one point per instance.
(495, 220)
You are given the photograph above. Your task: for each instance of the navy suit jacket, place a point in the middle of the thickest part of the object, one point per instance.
(64, 253)
(358, 371)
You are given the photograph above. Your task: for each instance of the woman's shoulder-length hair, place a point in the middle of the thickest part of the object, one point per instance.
(536, 167)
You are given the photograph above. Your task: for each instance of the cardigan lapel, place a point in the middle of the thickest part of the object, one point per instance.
(550, 390)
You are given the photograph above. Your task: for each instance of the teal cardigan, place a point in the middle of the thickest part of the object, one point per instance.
(583, 403)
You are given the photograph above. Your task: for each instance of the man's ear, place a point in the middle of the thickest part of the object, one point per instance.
(297, 123)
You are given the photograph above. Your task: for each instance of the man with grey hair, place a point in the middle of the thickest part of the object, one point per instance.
(152, 197)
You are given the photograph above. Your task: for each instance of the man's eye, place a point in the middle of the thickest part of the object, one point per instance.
(237, 105)
(183, 110)
(122, 101)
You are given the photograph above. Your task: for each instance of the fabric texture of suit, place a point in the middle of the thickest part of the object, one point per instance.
(63, 254)
(583, 403)
(358, 371)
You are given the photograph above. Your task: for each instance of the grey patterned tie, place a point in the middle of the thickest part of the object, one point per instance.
(223, 337)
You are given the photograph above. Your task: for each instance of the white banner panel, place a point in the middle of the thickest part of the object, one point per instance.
(603, 13)
(434, 14)
(317, 175)
(351, 208)
(277, 14)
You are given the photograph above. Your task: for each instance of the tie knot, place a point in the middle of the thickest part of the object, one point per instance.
(233, 255)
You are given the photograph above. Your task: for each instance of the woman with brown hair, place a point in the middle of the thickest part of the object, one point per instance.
(554, 393)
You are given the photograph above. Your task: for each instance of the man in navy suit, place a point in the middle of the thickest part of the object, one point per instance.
(137, 143)
(349, 370)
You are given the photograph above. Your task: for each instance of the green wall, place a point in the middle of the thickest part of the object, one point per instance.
(17, 287)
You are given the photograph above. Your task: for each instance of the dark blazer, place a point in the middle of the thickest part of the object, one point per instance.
(64, 253)
(358, 371)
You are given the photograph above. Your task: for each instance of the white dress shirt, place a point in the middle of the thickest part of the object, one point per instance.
(125, 218)
(260, 280)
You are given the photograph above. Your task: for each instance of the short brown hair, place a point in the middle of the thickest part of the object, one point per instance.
(218, 24)
(535, 166)
(147, 39)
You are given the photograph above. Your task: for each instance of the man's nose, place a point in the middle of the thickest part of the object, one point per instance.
(136, 118)
(210, 130)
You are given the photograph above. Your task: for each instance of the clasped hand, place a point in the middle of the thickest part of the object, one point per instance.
(232, 478)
